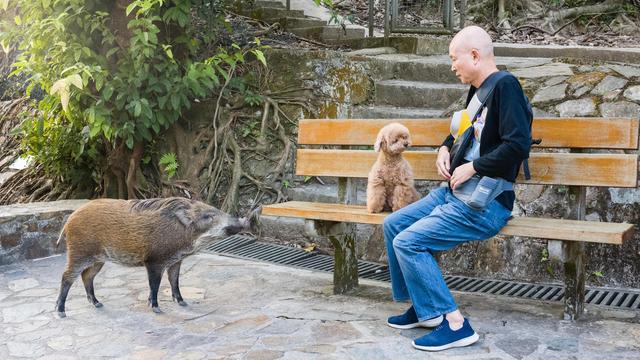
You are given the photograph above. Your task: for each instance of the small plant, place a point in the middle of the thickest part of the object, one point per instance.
(544, 255)
(169, 162)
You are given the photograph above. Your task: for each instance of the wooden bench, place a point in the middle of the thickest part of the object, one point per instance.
(589, 161)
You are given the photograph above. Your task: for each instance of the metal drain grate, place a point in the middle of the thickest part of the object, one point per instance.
(248, 248)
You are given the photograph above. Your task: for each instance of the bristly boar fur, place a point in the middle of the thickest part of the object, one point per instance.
(155, 233)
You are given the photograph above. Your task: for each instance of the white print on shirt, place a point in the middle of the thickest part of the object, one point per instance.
(474, 151)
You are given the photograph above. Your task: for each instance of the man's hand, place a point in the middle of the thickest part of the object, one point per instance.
(442, 162)
(461, 174)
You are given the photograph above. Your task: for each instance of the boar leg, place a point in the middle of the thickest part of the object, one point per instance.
(174, 273)
(87, 278)
(154, 271)
(70, 273)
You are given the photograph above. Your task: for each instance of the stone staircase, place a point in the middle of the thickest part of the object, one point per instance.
(297, 23)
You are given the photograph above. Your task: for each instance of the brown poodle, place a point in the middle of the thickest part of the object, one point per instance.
(390, 184)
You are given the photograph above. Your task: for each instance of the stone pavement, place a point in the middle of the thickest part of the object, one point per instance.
(243, 309)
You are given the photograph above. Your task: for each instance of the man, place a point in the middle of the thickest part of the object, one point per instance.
(440, 221)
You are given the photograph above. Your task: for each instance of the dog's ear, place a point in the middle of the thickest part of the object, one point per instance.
(380, 142)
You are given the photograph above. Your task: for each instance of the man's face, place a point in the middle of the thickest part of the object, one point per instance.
(462, 62)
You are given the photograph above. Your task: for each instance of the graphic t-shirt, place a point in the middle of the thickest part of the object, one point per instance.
(474, 150)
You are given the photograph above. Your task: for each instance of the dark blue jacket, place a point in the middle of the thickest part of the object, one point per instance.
(506, 136)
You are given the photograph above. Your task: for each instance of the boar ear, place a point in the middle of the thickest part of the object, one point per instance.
(184, 217)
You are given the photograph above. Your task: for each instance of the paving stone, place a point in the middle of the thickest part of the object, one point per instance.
(333, 332)
(24, 326)
(22, 284)
(22, 312)
(609, 83)
(58, 357)
(518, 347)
(25, 349)
(245, 320)
(189, 355)
(38, 293)
(245, 324)
(318, 349)
(188, 293)
(147, 354)
(264, 355)
(563, 344)
(555, 80)
(61, 343)
(633, 93)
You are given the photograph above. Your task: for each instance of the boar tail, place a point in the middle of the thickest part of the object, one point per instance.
(60, 238)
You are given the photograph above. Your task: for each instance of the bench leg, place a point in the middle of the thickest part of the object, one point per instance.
(574, 279)
(343, 239)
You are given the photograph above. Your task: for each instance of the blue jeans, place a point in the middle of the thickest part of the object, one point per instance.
(436, 222)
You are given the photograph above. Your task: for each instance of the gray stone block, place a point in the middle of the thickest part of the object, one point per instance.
(391, 112)
(417, 94)
(555, 92)
(581, 107)
(608, 84)
(620, 109)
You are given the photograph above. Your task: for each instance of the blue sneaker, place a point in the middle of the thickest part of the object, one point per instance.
(409, 320)
(443, 337)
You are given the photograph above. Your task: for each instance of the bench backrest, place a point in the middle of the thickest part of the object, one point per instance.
(594, 163)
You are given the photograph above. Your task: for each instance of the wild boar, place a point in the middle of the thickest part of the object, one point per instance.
(154, 233)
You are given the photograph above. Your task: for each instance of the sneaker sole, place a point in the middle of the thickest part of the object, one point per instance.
(425, 324)
(460, 343)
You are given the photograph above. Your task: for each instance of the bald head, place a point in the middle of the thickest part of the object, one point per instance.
(473, 37)
(471, 53)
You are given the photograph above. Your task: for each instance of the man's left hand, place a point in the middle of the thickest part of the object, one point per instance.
(461, 174)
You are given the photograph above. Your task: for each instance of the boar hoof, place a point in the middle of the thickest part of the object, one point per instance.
(156, 310)
(182, 303)
(61, 314)
(98, 304)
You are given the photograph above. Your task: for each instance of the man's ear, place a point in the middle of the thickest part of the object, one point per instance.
(475, 56)
(380, 142)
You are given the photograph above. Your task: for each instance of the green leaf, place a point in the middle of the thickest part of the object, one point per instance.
(75, 80)
(260, 56)
(130, 142)
(94, 131)
(130, 8)
(107, 92)
(175, 102)
(137, 109)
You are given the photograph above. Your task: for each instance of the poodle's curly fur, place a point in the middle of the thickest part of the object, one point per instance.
(390, 183)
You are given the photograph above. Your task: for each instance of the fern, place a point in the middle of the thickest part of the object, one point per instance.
(170, 164)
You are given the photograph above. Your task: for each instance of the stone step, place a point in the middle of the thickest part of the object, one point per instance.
(392, 112)
(435, 68)
(418, 94)
(292, 22)
(270, 4)
(270, 14)
(329, 33)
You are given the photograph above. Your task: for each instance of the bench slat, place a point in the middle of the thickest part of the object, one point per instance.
(592, 133)
(554, 229)
(613, 170)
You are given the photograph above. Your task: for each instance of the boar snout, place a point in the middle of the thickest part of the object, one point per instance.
(237, 225)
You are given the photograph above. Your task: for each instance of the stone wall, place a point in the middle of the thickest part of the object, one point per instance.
(30, 231)
(556, 87)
